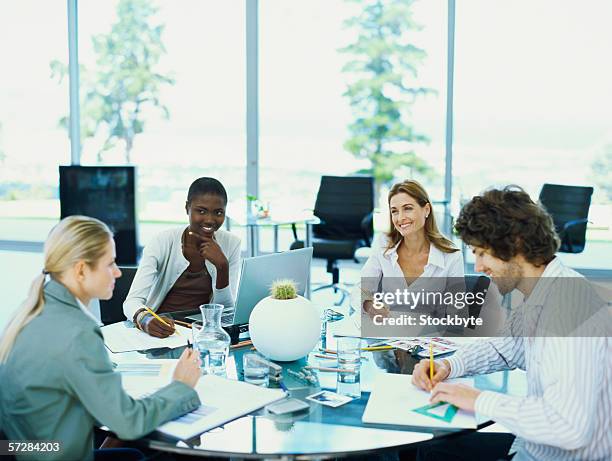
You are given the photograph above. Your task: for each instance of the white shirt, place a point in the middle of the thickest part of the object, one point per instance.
(382, 268)
(87, 312)
(567, 413)
(163, 262)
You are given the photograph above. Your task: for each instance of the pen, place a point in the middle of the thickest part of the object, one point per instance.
(240, 344)
(431, 363)
(189, 346)
(327, 351)
(336, 370)
(185, 324)
(370, 348)
(377, 348)
(160, 319)
(330, 357)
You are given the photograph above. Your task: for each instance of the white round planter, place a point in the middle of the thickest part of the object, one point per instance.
(285, 330)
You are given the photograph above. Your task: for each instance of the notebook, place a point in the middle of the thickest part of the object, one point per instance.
(223, 400)
(395, 400)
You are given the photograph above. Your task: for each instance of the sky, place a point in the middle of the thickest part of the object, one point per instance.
(531, 85)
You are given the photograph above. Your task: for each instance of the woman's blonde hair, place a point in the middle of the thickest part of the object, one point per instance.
(432, 234)
(73, 239)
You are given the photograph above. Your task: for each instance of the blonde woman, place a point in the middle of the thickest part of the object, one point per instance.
(57, 379)
(413, 254)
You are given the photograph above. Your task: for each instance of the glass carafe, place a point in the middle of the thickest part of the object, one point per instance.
(212, 342)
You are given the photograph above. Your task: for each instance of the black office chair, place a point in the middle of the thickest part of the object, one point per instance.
(345, 206)
(569, 208)
(476, 283)
(111, 311)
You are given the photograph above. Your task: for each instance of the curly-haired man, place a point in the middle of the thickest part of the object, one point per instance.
(567, 412)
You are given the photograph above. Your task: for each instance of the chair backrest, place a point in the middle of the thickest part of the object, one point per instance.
(569, 208)
(342, 204)
(476, 283)
(111, 310)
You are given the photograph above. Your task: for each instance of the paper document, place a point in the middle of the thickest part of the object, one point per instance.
(223, 400)
(122, 337)
(440, 345)
(142, 378)
(395, 400)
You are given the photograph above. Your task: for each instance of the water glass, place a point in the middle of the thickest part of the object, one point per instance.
(349, 361)
(256, 371)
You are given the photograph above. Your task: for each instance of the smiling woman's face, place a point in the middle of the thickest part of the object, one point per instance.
(206, 213)
(407, 215)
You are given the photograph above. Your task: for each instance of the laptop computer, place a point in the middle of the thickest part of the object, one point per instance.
(256, 279)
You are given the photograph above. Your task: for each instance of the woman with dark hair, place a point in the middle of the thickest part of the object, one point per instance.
(185, 267)
(413, 248)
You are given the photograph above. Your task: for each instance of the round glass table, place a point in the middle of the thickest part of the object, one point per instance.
(319, 432)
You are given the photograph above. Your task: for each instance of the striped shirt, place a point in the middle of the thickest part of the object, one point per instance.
(567, 413)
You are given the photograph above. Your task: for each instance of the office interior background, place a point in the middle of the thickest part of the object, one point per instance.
(254, 93)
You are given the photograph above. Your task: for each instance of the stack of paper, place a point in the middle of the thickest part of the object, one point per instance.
(142, 378)
(223, 400)
(395, 400)
(124, 337)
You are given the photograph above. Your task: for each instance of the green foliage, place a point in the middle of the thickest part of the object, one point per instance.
(602, 171)
(381, 93)
(126, 81)
(283, 289)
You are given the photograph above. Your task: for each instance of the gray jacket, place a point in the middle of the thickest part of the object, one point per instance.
(58, 382)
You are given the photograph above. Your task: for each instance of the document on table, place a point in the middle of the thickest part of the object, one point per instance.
(142, 378)
(223, 400)
(124, 337)
(395, 400)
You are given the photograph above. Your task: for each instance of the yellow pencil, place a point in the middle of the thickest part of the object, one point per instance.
(377, 348)
(431, 363)
(161, 320)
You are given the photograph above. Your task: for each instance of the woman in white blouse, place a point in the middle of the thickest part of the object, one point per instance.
(413, 255)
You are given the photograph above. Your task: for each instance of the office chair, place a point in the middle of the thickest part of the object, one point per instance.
(569, 208)
(111, 310)
(476, 283)
(345, 206)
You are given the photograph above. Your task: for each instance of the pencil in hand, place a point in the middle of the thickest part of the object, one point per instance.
(161, 320)
(431, 363)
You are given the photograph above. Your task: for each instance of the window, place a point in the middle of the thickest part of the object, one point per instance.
(304, 115)
(203, 131)
(32, 142)
(532, 100)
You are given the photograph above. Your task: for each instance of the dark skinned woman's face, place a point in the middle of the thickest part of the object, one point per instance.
(206, 213)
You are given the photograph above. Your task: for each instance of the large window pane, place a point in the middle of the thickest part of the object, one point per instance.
(304, 115)
(533, 102)
(32, 143)
(198, 127)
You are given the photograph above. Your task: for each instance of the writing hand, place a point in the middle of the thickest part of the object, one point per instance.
(460, 395)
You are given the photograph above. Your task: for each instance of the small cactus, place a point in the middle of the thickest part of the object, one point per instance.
(283, 289)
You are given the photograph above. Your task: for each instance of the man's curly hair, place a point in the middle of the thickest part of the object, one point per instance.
(509, 223)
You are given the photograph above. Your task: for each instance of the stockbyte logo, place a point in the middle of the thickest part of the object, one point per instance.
(438, 306)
